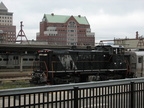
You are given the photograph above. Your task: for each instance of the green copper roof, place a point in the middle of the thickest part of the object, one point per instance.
(81, 20)
(63, 19)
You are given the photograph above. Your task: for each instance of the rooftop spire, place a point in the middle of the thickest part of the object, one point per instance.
(3, 7)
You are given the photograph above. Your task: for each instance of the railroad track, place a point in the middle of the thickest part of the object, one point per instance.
(15, 79)
(14, 76)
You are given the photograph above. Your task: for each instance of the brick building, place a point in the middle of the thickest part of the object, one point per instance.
(8, 34)
(65, 30)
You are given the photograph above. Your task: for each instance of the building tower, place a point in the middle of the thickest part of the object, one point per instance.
(6, 25)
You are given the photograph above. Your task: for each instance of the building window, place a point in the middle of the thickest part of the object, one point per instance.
(140, 59)
(72, 24)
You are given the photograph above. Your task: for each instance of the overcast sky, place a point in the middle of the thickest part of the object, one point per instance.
(108, 18)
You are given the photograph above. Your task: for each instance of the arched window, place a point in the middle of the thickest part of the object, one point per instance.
(72, 24)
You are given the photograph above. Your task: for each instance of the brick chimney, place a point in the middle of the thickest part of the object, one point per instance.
(52, 14)
(137, 35)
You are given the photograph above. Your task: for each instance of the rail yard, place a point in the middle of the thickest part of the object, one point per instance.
(68, 64)
(16, 59)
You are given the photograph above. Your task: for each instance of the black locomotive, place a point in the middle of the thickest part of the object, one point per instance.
(80, 65)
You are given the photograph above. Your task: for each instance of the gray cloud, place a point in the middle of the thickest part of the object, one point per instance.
(108, 18)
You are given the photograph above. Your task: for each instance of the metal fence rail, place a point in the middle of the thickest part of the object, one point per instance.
(125, 93)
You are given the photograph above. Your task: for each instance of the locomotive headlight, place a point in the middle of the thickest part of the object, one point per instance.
(115, 63)
(120, 63)
(104, 55)
(41, 75)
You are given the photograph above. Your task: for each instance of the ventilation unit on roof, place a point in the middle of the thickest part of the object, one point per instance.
(79, 15)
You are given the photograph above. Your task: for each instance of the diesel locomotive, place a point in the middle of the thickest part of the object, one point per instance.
(80, 65)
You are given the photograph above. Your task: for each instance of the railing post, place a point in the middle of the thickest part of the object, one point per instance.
(132, 104)
(76, 97)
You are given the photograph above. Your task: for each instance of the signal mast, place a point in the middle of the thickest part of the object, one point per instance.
(21, 35)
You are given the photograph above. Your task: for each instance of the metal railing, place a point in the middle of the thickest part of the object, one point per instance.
(125, 93)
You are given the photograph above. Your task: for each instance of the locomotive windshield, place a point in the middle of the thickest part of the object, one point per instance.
(112, 49)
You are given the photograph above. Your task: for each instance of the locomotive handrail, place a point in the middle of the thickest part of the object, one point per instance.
(82, 61)
(92, 70)
(46, 69)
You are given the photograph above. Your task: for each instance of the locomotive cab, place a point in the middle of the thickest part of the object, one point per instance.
(117, 63)
(117, 57)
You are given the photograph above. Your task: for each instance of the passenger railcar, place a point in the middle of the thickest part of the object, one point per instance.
(13, 61)
(80, 65)
(136, 60)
